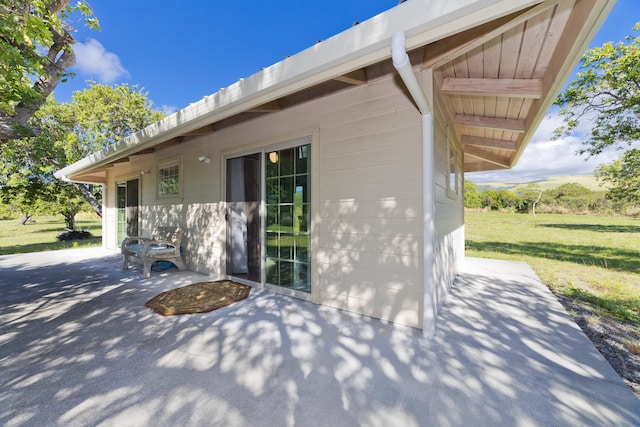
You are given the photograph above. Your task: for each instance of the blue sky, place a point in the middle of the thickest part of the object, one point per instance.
(181, 52)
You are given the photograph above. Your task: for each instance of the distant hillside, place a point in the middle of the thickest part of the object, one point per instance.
(588, 181)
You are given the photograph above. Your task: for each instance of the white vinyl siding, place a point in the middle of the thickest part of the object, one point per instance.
(370, 256)
(449, 205)
(367, 216)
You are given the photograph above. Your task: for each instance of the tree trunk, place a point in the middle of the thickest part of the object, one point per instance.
(70, 219)
(89, 197)
(536, 202)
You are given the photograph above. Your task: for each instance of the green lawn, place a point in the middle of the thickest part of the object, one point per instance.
(40, 234)
(593, 259)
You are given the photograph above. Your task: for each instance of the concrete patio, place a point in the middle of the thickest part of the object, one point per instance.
(78, 348)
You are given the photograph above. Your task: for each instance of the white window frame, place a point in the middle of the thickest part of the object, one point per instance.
(294, 142)
(453, 178)
(166, 165)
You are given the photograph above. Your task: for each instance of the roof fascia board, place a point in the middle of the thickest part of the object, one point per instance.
(423, 21)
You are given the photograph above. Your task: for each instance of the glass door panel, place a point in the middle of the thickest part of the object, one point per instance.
(244, 228)
(132, 207)
(122, 211)
(287, 218)
(127, 201)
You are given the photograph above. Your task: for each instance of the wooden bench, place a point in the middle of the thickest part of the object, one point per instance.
(163, 245)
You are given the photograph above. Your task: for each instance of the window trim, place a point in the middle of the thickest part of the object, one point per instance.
(176, 162)
(276, 143)
(453, 170)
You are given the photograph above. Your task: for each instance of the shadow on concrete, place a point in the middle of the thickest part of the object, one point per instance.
(78, 347)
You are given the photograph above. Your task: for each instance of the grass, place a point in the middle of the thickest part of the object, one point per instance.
(40, 235)
(595, 260)
(632, 347)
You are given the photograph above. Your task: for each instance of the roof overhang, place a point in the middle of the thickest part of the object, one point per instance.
(446, 30)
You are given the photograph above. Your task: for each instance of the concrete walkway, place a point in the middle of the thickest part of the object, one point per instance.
(78, 348)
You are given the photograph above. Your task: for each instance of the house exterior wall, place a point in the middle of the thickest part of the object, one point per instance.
(370, 251)
(449, 204)
(367, 200)
(199, 211)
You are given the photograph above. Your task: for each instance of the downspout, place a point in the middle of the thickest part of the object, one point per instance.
(402, 64)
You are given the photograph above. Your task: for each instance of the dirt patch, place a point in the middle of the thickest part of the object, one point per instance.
(617, 341)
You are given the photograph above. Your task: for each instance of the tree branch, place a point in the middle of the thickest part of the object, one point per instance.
(58, 59)
(57, 6)
(88, 195)
(52, 74)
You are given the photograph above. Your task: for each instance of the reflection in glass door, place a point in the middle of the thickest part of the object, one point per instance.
(243, 217)
(287, 233)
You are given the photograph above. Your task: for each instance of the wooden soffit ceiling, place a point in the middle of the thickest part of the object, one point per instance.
(494, 79)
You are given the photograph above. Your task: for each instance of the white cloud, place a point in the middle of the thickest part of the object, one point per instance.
(545, 156)
(93, 60)
(168, 109)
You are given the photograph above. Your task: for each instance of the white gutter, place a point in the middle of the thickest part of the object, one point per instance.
(425, 21)
(403, 65)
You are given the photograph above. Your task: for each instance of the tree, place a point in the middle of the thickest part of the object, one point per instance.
(530, 195)
(471, 195)
(22, 193)
(95, 118)
(65, 200)
(28, 184)
(623, 177)
(35, 53)
(500, 199)
(571, 196)
(100, 116)
(606, 91)
(508, 199)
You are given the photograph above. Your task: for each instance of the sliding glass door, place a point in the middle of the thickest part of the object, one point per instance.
(283, 229)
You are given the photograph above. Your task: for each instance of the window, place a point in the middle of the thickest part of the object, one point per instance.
(454, 174)
(169, 179)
